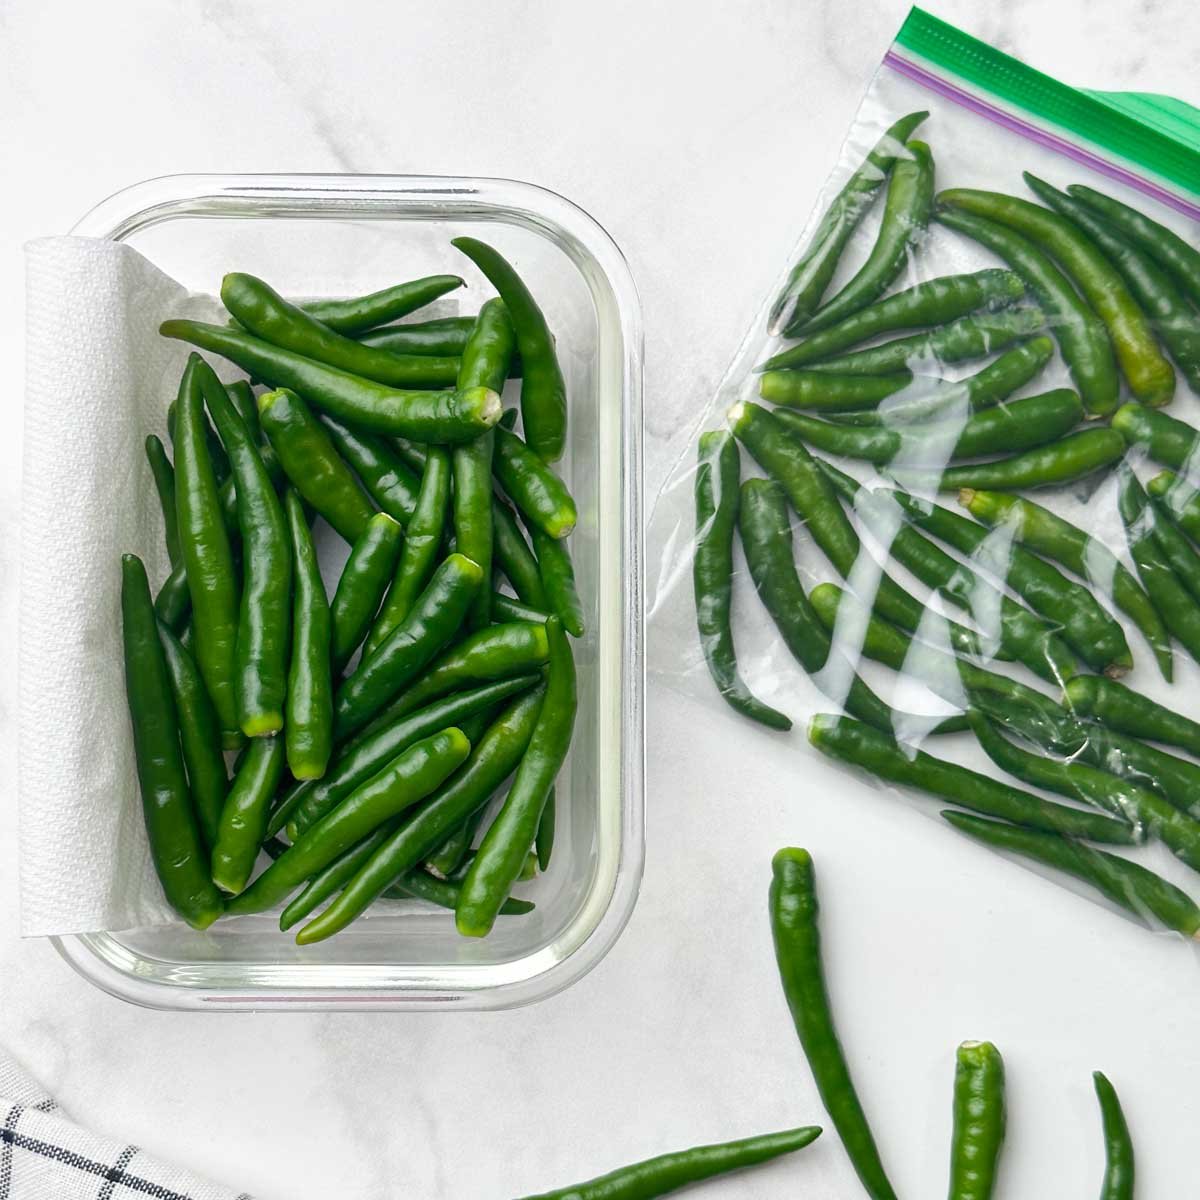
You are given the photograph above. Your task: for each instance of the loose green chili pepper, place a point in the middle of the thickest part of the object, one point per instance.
(243, 822)
(1010, 630)
(267, 315)
(1170, 314)
(387, 480)
(786, 460)
(829, 392)
(241, 396)
(492, 760)
(310, 800)
(930, 302)
(808, 279)
(506, 843)
(882, 756)
(532, 486)
(1086, 626)
(164, 484)
(1127, 711)
(1174, 603)
(175, 845)
(433, 620)
(505, 608)
(207, 557)
(794, 927)
(1125, 883)
(975, 336)
(905, 215)
(451, 854)
(418, 557)
(312, 464)
(406, 780)
(1165, 439)
(264, 620)
(558, 578)
(514, 558)
(716, 490)
(1081, 335)
(1149, 374)
(979, 1121)
(1180, 498)
(543, 390)
(445, 335)
(199, 734)
(1176, 548)
(421, 885)
(216, 452)
(1118, 1145)
(427, 416)
(1073, 457)
(362, 585)
(543, 843)
(309, 729)
(360, 313)
(1164, 245)
(1019, 425)
(1051, 536)
(328, 882)
(767, 541)
(658, 1176)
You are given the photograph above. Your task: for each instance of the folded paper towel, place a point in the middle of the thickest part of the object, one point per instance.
(98, 380)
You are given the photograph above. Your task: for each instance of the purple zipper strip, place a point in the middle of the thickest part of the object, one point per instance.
(1031, 132)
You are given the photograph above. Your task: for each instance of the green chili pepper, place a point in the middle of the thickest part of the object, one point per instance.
(558, 578)
(267, 315)
(506, 843)
(175, 845)
(1149, 374)
(716, 487)
(930, 302)
(361, 313)
(1147, 896)
(1176, 548)
(543, 390)
(310, 800)
(199, 734)
(830, 392)
(492, 760)
(331, 879)
(1073, 457)
(428, 416)
(1010, 630)
(796, 932)
(362, 585)
(264, 621)
(786, 460)
(387, 480)
(979, 1121)
(862, 746)
(309, 729)
(975, 336)
(1086, 626)
(216, 452)
(241, 396)
(1048, 534)
(164, 484)
(1019, 425)
(514, 558)
(1165, 439)
(1081, 335)
(1170, 314)
(207, 557)
(445, 335)
(243, 824)
(312, 464)
(1164, 245)
(808, 279)
(1118, 1145)
(1127, 711)
(905, 215)
(421, 885)
(1181, 500)
(451, 854)
(767, 541)
(505, 609)
(433, 620)
(419, 554)
(411, 454)
(532, 486)
(543, 843)
(407, 779)
(658, 1176)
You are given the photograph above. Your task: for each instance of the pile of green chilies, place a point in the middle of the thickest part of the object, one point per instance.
(1118, 295)
(372, 729)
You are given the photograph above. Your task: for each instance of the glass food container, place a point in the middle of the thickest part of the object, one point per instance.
(345, 234)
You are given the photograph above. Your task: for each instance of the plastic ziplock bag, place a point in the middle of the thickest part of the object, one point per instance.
(973, 342)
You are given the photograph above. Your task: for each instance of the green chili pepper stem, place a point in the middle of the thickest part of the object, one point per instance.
(243, 823)
(164, 484)
(979, 1121)
(362, 585)
(794, 925)
(1118, 1145)
(359, 314)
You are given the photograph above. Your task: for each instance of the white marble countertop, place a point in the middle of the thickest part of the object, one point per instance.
(658, 119)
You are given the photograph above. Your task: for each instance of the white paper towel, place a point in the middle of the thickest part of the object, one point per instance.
(99, 378)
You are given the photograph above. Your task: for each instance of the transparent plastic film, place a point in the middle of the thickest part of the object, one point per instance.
(940, 521)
